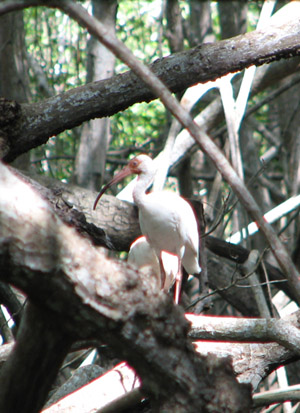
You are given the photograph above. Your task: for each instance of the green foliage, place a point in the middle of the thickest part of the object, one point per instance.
(139, 127)
(139, 27)
(57, 47)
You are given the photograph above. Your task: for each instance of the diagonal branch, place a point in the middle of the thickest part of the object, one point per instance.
(206, 144)
(35, 123)
(93, 297)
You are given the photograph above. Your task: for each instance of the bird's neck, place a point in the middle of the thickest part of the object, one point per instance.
(139, 191)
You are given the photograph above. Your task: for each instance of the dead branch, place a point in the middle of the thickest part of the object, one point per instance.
(96, 297)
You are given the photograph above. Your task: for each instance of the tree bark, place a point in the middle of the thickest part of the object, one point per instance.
(115, 225)
(14, 82)
(174, 26)
(233, 18)
(199, 26)
(96, 297)
(34, 124)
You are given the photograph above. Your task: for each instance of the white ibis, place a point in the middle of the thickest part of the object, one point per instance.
(166, 219)
(142, 255)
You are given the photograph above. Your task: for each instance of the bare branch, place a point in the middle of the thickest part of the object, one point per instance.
(100, 298)
(291, 393)
(222, 328)
(206, 144)
(35, 123)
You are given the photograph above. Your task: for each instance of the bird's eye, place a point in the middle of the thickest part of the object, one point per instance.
(134, 163)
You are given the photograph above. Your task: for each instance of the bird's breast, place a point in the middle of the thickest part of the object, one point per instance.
(160, 226)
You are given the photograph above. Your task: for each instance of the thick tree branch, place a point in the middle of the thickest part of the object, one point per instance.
(100, 298)
(206, 144)
(35, 123)
(250, 361)
(62, 272)
(119, 221)
(115, 225)
(262, 357)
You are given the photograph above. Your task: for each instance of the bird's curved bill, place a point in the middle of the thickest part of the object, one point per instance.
(121, 175)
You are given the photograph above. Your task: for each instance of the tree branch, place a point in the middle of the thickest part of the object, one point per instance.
(100, 298)
(35, 123)
(206, 144)
(291, 393)
(280, 331)
(117, 227)
(251, 362)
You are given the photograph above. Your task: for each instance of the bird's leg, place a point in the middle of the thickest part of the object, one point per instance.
(178, 282)
(162, 271)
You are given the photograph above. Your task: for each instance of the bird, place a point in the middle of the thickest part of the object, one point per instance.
(142, 256)
(166, 220)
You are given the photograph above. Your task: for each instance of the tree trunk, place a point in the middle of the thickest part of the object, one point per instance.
(91, 156)
(14, 80)
(233, 18)
(29, 372)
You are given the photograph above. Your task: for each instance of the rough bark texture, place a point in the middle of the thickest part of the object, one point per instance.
(37, 122)
(252, 361)
(199, 26)
(174, 26)
(115, 225)
(14, 83)
(139, 323)
(97, 297)
(233, 18)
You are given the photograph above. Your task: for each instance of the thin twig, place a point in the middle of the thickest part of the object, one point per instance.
(235, 282)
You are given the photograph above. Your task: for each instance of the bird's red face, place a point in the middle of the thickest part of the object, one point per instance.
(134, 165)
(130, 169)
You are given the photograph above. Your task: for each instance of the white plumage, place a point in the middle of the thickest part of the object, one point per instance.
(142, 255)
(166, 219)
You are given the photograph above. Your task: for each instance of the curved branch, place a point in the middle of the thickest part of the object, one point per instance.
(38, 354)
